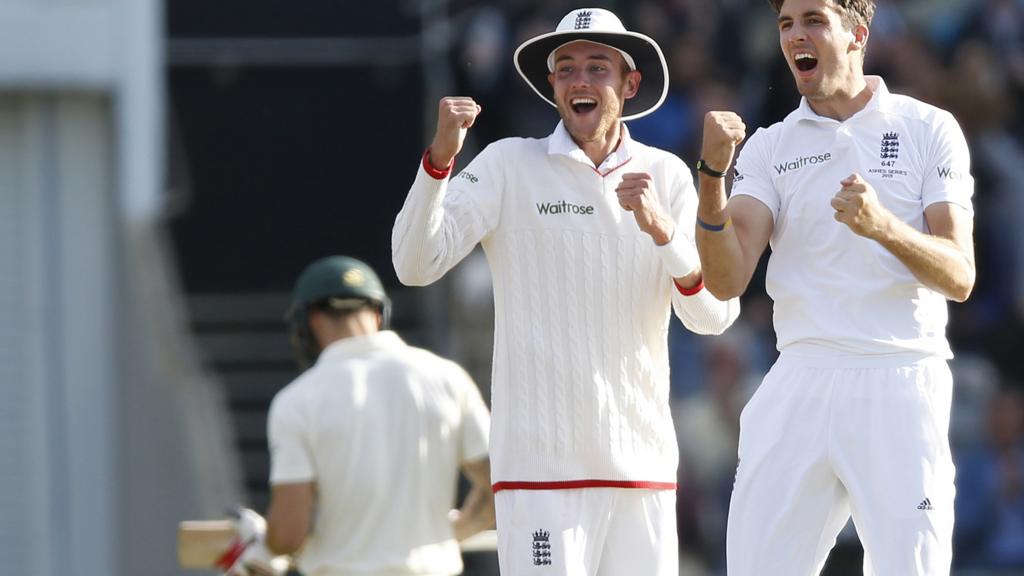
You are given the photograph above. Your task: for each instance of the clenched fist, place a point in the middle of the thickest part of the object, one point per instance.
(455, 115)
(723, 131)
(856, 205)
(636, 194)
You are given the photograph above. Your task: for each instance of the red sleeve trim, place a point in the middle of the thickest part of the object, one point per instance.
(434, 172)
(573, 484)
(689, 291)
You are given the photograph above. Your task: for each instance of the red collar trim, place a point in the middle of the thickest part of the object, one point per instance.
(614, 150)
(613, 169)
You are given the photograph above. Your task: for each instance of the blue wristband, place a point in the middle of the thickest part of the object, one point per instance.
(714, 227)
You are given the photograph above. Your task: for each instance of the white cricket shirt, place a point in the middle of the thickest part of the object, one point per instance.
(580, 379)
(381, 427)
(837, 293)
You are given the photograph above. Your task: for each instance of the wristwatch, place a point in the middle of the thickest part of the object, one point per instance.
(703, 167)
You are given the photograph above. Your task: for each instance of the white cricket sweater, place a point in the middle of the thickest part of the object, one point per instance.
(580, 379)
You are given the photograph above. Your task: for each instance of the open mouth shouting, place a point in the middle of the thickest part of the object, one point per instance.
(805, 62)
(582, 104)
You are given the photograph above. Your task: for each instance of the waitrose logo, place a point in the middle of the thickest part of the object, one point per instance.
(802, 161)
(947, 173)
(563, 207)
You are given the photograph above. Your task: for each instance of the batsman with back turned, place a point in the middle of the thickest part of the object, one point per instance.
(366, 444)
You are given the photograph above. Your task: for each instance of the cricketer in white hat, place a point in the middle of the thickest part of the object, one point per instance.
(588, 235)
(535, 58)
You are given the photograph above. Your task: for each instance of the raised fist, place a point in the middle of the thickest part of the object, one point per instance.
(455, 115)
(723, 131)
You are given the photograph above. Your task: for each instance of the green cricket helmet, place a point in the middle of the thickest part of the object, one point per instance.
(338, 283)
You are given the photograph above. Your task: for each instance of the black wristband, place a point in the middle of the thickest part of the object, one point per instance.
(703, 167)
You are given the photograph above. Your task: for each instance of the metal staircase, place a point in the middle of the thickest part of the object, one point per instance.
(242, 339)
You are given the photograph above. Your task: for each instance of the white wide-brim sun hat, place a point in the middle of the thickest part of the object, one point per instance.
(601, 26)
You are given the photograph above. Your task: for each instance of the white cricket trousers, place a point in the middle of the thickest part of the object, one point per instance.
(824, 439)
(587, 532)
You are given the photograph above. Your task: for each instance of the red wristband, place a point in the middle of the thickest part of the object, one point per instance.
(434, 172)
(689, 291)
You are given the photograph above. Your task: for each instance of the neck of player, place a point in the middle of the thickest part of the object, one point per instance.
(844, 102)
(601, 147)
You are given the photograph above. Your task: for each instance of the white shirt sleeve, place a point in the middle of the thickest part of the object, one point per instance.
(752, 174)
(476, 419)
(701, 312)
(948, 177)
(290, 457)
(442, 220)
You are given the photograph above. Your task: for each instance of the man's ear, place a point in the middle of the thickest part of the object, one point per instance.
(859, 36)
(316, 319)
(632, 84)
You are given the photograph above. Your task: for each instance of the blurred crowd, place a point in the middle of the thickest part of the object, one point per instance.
(966, 56)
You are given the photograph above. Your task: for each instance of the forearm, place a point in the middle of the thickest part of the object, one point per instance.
(476, 513)
(674, 248)
(290, 517)
(280, 543)
(418, 244)
(698, 309)
(679, 257)
(937, 262)
(721, 254)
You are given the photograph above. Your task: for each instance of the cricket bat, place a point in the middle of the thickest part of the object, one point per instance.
(201, 543)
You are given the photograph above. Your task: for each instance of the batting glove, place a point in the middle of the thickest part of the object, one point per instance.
(248, 555)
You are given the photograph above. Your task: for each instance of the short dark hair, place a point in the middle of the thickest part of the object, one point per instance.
(852, 12)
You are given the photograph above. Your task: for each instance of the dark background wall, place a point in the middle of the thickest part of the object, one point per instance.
(278, 164)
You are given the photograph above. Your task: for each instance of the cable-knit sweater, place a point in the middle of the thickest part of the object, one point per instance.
(580, 381)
